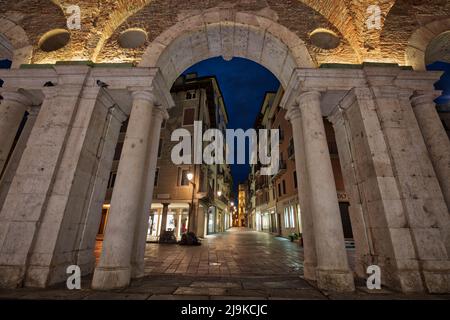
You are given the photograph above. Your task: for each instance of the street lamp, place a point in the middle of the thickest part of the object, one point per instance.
(232, 203)
(219, 193)
(190, 176)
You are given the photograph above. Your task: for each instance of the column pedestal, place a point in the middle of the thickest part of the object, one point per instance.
(435, 138)
(309, 247)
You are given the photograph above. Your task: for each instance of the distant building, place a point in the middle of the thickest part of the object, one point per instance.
(242, 206)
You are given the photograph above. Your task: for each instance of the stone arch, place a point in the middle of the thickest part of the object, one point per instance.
(218, 33)
(15, 43)
(419, 41)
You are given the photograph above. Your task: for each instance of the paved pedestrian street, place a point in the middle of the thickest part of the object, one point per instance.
(239, 264)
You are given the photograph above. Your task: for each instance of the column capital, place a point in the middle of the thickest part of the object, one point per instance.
(421, 98)
(16, 96)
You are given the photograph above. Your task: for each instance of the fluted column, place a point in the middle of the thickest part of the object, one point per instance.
(332, 271)
(12, 111)
(13, 164)
(309, 251)
(137, 259)
(114, 268)
(435, 138)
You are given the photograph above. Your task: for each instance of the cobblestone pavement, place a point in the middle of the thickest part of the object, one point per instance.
(239, 264)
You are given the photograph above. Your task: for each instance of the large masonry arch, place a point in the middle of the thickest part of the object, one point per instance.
(15, 43)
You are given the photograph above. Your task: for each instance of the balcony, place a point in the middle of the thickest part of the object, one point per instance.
(332, 148)
(281, 135)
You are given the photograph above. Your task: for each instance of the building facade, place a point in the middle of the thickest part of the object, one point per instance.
(283, 215)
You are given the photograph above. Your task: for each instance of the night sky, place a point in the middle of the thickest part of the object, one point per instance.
(243, 84)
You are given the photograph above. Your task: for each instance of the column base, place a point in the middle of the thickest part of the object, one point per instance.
(111, 278)
(335, 280)
(11, 277)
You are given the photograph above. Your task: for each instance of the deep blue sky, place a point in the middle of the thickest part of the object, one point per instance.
(243, 84)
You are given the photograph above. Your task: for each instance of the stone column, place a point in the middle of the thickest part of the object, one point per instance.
(11, 167)
(309, 251)
(332, 271)
(363, 256)
(164, 219)
(114, 268)
(137, 259)
(12, 111)
(435, 137)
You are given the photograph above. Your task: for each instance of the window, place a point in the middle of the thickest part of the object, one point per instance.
(182, 177)
(156, 177)
(188, 116)
(279, 190)
(160, 148)
(284, 186)
(112, 180)
(124, 126)
(289, 219)
(295, 179)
